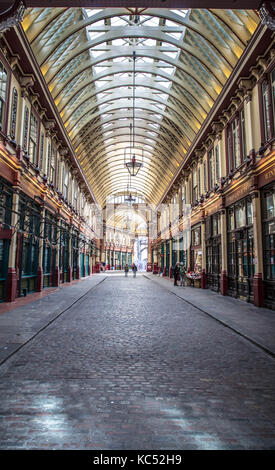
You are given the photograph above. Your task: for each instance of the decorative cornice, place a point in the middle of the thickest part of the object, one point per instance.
(267, 15)
(13, 16)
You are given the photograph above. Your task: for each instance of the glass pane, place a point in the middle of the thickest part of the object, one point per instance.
(249, 213)
(240, 217)
(270, 206)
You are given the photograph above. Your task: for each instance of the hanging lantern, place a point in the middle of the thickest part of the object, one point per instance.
(130, 198)
(133, 166)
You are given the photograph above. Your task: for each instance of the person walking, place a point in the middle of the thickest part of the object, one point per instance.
(182, 274)
(134, 269)
(126, 269)
(176, 273)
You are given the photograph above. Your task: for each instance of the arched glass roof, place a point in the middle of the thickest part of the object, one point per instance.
(183, 58)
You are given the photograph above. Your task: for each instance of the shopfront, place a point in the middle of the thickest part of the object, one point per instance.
(268, 226)
(167, 260)
(64, 251)
(162, 252)
(87, 261)
(183, 247)
(213, 251)
(5, 234)
(240, 249)
(82, 264)
(49, 249)
(74, 255)
(117, 259)
(28, 244)
(196, 249)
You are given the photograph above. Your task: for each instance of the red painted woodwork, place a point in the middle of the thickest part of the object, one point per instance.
(203, 280)
(56, 276)
(11, 289)
(70, 274)
(258, 290)
(39, 279)
(224, 283)
(149, 267)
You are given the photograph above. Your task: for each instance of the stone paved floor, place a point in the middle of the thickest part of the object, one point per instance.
(132, 366)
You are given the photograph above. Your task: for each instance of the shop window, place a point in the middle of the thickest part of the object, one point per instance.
(50, 239)
(3, 93)
(240, 249)
(231, 224)
(33, 139)
(30, 219)
(249, 217)
(196, 236)
(268, 203)
(13, 113)
(215, 225)
(240, 216)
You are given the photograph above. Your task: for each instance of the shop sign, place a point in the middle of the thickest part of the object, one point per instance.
(267, 177)
(241, 191)
(214, 207)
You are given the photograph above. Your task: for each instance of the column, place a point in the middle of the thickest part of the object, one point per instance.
(258, 286)
(203, 249)
(70, 268)
(164, 260)
(56, 272)
(39, 282)
(224, 278)
(150, 261)
(170, 257)
(120, 261)
(12, 268)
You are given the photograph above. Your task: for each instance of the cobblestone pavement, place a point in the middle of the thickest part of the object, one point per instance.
(131, 366)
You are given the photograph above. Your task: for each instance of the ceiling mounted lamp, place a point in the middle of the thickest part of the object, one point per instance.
(133, 156)
(130, 198)
(133, 166)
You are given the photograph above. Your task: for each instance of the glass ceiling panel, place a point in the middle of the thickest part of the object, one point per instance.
(183, 59)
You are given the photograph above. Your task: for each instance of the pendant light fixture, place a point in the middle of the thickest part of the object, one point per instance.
(133, 156)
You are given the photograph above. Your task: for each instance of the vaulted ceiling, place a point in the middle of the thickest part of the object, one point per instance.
(148, 75)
